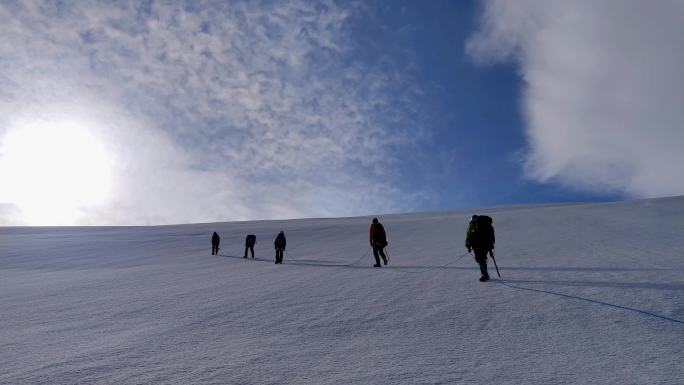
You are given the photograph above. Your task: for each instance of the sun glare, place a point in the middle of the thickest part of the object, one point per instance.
(52, 171)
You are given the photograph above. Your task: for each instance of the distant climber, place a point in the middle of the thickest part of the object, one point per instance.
(215, 240)
(378, 241)
(480, 239)
(279, 244)
(250, 241)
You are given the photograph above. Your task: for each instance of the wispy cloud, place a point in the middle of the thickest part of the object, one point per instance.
(214, 110)
(603, 98)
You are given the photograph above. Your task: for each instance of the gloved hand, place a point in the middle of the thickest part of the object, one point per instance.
(470, 250)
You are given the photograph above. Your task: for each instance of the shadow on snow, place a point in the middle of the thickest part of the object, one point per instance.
(507, 282)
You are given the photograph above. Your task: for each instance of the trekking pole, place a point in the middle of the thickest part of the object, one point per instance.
(491, 253)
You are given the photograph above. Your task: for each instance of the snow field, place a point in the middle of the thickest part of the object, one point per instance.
(590, 294)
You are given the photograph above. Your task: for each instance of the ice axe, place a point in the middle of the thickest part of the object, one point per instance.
(491, 254)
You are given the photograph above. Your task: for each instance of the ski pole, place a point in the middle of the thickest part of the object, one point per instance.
(491, 253)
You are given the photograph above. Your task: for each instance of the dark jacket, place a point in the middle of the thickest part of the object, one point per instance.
(280, 241)
(215, 239)
(377, 235)
(250, 240)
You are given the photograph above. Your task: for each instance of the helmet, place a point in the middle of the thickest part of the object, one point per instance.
(375, 220)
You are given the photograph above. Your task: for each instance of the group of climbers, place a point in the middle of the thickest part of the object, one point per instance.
(250, 241)
(479, 239)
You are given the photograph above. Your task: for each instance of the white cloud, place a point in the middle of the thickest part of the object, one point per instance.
(214, 110)
(604, 91)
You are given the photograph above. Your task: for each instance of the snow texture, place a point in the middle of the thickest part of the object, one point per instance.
(589, 294)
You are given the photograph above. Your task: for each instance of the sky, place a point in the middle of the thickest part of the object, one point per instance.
(144, 112)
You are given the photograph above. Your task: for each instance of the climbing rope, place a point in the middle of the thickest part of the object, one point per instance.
(303, 261)
(399, 269)
(590, 300)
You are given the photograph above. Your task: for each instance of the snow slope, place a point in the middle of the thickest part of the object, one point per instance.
(590, 294)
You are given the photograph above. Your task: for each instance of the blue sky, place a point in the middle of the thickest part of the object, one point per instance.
(210, 111)
(472, 111)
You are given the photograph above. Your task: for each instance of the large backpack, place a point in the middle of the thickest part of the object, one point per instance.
(280, 241)
(379, 235)
(482, 236)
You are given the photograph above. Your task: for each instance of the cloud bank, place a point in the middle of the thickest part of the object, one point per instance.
(212, 110)
(604, 91)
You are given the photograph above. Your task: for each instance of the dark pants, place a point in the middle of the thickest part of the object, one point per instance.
(378, 249)
(250, 248)
(481, 259)
(214, 248)
(279, 256)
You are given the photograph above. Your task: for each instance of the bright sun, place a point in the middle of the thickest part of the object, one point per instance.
(52, 171)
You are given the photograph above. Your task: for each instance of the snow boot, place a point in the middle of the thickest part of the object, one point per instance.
(484, 278)
(384, 260)
(376, 265)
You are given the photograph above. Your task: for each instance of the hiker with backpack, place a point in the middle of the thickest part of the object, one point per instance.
(378, 241)
(215, 240)
(480, 239)
(250, 241)
(279, 244)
